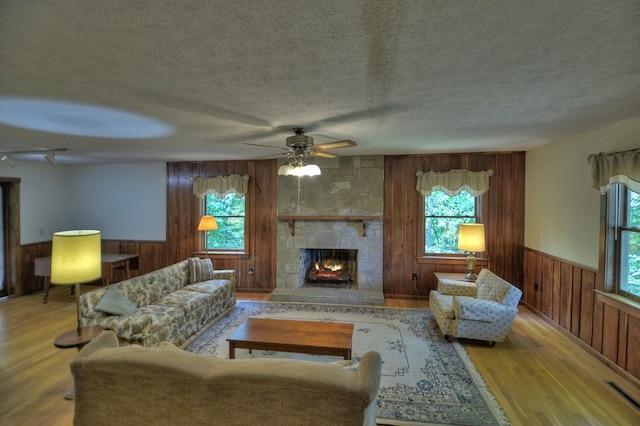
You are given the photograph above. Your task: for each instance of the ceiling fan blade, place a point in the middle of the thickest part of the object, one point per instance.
(345, 143)
(323, 154)
(266, 146)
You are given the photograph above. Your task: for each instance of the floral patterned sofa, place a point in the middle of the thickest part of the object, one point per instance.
(171, 304)
(487, 315)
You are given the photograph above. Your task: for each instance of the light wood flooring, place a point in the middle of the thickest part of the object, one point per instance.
(539, 376)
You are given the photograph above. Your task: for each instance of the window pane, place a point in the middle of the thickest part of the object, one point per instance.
(441, 234)
(443, 215)
(634, 209)
(630, 262)
(229, 235)
(230, 216)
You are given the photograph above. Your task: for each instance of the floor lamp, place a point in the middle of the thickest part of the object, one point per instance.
(471, 239)
(76, 258)
(207, 223)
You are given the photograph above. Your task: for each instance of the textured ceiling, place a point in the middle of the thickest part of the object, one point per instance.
(202, 77)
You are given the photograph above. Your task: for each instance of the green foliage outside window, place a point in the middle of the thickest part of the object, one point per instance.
(230, 216)
(630, 249)
(443, 215)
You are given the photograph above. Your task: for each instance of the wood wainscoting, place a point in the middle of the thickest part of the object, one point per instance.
(567, 295)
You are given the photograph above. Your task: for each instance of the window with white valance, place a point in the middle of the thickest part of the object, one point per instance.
(617, 167)
(453, 181)
(220, 186)
(449, 199)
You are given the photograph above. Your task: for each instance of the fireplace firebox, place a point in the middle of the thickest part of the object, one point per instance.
(333, 268)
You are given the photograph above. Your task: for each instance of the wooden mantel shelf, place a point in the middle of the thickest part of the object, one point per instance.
(361, 219)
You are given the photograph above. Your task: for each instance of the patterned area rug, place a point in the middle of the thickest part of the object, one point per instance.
(425, 380)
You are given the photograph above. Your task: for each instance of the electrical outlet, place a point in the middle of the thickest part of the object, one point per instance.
(414, 277)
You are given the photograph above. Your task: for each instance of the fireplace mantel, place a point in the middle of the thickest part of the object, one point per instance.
(362, 219)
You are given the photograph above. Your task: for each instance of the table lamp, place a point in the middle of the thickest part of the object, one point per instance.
(471, 239)
(207, 223)
(76, 259)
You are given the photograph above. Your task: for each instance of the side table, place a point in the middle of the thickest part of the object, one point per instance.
(71, 339)
(455, 284)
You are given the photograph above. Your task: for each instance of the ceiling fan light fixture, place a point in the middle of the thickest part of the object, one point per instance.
(304, 170)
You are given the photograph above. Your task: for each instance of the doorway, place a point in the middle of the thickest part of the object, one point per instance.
(10, 237)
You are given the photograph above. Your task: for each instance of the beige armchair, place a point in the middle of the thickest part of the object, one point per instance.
(487, 316)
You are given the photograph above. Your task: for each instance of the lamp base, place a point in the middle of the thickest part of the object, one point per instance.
(471, 266)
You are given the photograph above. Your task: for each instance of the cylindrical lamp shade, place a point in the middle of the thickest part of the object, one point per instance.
(471, 237)
(76, 257)
(207, 223)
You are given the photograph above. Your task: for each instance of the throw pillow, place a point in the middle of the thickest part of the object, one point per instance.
(200, 270)
(115, 303)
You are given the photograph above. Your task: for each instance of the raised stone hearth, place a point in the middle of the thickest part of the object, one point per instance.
(327, 295)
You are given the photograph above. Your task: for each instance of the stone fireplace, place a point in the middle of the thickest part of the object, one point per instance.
(340, 209)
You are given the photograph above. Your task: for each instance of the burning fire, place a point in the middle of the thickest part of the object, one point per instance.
(328, 264)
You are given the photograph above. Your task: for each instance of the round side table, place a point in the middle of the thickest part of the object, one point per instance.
(71, 339)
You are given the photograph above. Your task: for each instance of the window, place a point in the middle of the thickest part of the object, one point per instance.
(625, 227)
(230, 216)
(443, 214)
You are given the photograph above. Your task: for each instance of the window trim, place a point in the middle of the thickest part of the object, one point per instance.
(613, 206)
(222, 252)
(423, 257)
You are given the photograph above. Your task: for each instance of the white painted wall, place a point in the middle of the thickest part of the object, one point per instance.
(123, 201)
(44, 203)
(562, 209)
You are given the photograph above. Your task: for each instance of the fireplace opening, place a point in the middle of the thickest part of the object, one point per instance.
(333, 268)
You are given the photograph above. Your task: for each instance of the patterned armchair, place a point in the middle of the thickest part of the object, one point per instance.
(487, 316)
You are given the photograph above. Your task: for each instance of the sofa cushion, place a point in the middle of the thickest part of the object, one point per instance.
(200, 269)
(115, 303)
(470, 308)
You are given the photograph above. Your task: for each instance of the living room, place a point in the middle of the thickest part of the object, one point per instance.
(542, 215)
(128, 188)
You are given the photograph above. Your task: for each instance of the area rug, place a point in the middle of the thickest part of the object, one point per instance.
(425, 379)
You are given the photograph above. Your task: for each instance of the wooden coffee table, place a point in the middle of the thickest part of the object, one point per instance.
(308, 337)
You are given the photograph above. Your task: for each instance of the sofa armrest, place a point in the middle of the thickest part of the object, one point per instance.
(106, 339)
(225, 274)
(369, 373)
(469, 308)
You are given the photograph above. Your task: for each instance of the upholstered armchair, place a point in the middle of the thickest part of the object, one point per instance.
(487, 316)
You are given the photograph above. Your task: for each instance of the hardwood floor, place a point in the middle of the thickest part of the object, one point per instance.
(539, 376)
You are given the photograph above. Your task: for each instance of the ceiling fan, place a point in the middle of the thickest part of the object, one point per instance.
(300, 147)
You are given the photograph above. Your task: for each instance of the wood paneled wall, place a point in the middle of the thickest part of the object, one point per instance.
(502, 212)
(567, 295)
(256, 268)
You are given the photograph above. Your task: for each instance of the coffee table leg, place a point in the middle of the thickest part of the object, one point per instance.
(232, 350)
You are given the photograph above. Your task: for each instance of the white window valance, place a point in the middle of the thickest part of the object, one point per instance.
(221, 185)
(617, 167)
(453, 181)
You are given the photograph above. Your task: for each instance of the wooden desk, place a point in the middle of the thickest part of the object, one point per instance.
(307, 337)
(110, 262)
